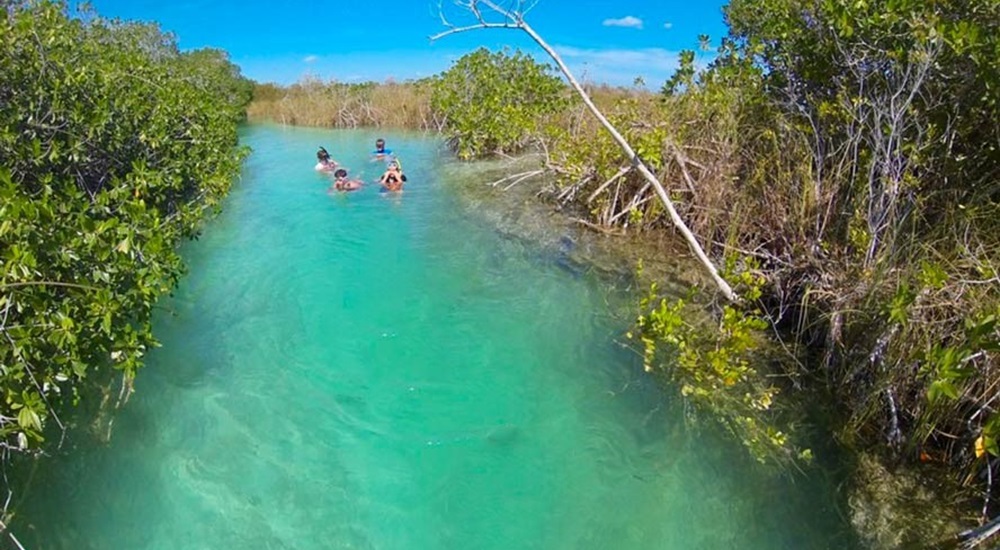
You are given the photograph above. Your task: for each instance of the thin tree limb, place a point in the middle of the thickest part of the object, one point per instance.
(524, 177)
(682, 162)
(620, 173)
(477, 26)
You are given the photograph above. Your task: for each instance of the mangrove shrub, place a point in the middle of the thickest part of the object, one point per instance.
(495, 102)
(113, 147)
(898, 100)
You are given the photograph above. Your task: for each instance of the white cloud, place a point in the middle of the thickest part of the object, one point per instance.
(310, 59)
(627, 21)
(653, 58)
(668, 25)
(619, 66)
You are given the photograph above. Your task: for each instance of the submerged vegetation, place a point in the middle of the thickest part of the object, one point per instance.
(113, 148)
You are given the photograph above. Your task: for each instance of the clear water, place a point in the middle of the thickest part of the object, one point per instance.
(386, 372)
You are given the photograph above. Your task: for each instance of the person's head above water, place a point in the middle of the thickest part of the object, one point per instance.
(380, 145)
(322, 155)
(340, 173)
(393, 165)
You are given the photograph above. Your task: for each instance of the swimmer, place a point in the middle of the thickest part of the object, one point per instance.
(344, 184)
(380, 151)
(325, 164)
(393, 178)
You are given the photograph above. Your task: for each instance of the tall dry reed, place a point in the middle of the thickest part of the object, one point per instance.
(332, 104)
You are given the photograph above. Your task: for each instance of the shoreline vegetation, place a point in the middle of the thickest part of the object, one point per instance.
(114, 149)
(841, 161)
(312, 102)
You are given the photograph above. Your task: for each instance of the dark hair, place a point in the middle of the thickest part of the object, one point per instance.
(322, 154)
(340, 173)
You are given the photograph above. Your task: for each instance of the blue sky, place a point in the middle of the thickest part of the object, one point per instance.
(601, 40)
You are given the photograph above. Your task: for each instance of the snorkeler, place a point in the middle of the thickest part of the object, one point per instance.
(325, 163)
(393, 178)
(341, 183)
(380, 151)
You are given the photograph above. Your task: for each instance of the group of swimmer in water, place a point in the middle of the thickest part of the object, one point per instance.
(392, 180)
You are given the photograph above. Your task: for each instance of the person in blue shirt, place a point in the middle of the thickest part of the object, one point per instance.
(380, 151)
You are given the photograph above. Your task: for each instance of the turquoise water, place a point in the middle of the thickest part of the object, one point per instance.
(372, 371)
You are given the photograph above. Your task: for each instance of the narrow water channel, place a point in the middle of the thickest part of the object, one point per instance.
(387, 372)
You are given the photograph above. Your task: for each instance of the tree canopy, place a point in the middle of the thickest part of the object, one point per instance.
(114, 145)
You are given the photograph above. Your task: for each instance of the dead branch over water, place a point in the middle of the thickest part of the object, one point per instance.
(513, 18)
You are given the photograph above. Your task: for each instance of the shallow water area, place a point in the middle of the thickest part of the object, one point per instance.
(368, 370)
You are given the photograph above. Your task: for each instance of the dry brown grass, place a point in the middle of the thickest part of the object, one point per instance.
(334, 104)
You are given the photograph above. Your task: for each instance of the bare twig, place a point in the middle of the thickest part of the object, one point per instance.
(633, 206)
(48, 283)
(624, 170)
(682, 162)
(598, 228)
(515, 176)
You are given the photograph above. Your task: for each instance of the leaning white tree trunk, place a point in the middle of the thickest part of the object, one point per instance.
(514, 19)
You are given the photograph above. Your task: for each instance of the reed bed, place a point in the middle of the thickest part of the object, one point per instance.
(312, 102)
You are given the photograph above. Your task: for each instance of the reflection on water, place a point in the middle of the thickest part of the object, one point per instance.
(369, 372)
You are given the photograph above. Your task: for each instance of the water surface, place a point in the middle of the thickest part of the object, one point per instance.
(372, 371)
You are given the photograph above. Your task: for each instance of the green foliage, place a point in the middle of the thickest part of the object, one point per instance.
(114, 148)
(683, 77)
(838, 61)
(210, 70)
(896, 100)
(495, 102)
(718, 367)
(947, 367)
